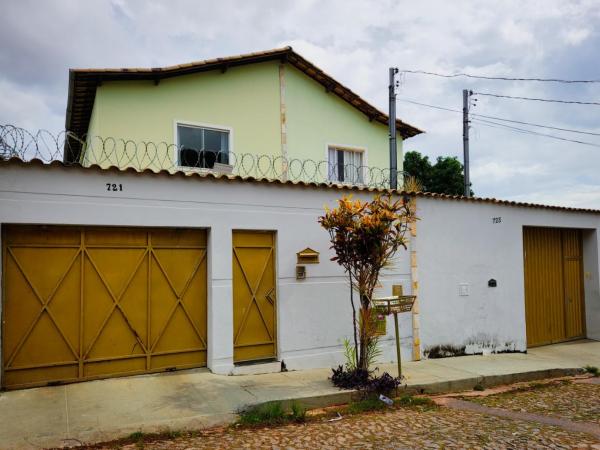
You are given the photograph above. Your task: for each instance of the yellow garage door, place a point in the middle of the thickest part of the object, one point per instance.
(554, 301)
(88, 302)
(254, 303)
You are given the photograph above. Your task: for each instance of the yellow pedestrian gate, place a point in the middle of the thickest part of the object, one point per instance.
(554, 300)
(90, 302)
(254, 296)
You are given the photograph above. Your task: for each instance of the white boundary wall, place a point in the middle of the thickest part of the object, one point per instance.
(314, 315)
(469, 243)
(457, 243)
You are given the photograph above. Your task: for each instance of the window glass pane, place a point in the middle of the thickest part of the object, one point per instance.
(190, 137)
(345, 165)
(202, 147)
(353, 167)
(341, 161)
(224, 155)
(332, 165)
(213, 140)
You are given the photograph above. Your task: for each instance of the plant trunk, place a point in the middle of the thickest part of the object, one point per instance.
(353, 319)
(365, 332)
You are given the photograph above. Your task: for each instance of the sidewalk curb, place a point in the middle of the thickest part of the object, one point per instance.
(467, 384)
(441, 387)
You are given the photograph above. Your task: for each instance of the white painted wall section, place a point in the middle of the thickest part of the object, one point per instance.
(314, 315)
(461, 246)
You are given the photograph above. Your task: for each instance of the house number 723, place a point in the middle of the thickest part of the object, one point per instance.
(113, 187)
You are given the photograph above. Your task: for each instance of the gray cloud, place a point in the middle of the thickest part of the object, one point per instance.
(355, 41)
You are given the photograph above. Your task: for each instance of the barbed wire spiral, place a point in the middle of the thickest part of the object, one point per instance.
(65, 146)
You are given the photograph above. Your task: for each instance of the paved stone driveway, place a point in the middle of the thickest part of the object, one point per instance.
(422, 427)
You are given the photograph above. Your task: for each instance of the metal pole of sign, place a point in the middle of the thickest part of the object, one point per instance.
(398, 345)
(395, 304)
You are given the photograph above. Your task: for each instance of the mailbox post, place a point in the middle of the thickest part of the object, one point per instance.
(394, 305)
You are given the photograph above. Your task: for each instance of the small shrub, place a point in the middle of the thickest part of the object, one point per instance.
(136, 436)
(365, 404)
(479, 387)
(174, 434)
(409, 400)
(272, 413)
(383, 384)
(298, 412)
(267, 414)
(349, 379)
(350, 355)
(362, 380)
(592, 370)
(373, 350)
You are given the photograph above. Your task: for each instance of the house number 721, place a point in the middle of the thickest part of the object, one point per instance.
(113, 187)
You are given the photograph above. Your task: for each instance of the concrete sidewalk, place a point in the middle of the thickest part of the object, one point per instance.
(106, 409)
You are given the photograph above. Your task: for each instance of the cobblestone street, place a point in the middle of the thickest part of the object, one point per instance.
(573, 401)
(424, 426)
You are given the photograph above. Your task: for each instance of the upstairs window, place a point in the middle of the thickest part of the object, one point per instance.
(345, 165)
(201, 147)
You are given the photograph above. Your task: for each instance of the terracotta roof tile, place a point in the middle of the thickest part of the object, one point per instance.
(236, 178)
(83, 83)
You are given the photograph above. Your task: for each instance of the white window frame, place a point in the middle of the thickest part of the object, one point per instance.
(348, 148)
(208, 126)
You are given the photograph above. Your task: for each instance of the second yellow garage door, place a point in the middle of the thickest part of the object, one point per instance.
(554, 300)
(84, 303)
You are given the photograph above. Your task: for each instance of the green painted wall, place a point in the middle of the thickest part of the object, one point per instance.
(317, 119)
(245, 99)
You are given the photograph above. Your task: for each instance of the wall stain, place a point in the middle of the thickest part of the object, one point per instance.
(472, 347)
(444, 351)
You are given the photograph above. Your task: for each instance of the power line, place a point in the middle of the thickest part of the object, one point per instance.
(461, 74)
(487, 94)
(522, 130)
(429, 106)
(531, 124)
(570, 130)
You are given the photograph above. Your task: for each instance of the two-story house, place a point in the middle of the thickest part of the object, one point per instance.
(268, 114)
(111, 272)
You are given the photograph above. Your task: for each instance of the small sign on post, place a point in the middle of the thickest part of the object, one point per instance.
(393, 305)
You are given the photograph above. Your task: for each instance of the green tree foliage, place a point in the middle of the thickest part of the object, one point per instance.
(419, 167)
(444, 177)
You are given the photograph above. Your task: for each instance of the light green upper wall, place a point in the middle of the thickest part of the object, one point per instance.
(244, 99)
(317, 119)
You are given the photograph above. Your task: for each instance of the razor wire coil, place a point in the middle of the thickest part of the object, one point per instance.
(70, 149)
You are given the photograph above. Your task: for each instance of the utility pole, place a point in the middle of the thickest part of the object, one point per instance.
(392, 125)
(466, 96)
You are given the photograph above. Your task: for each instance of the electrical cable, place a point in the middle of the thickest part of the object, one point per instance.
(535, 99)
(569, 130)
(467, 75)
(522, 130)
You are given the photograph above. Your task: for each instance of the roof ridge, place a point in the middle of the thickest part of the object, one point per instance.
(83, 84)
(174, 66)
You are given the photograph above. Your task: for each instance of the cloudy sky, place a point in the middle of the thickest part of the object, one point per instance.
(355, 42)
